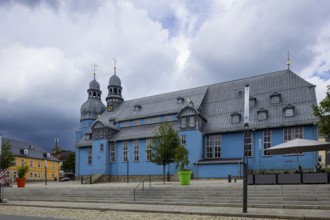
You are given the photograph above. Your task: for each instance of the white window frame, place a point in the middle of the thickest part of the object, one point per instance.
(89, 156)
(112, 152)
(267, 141)
(136, 150)
(125, 151)
(183, 139)
(148, 149)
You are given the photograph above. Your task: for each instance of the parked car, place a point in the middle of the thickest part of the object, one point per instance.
(63, 179)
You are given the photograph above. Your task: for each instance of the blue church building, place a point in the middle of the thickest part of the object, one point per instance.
(114, 139)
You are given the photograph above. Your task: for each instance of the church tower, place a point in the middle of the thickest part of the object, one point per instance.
(90, 109)
(114, 98)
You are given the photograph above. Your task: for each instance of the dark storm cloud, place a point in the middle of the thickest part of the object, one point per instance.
(54, 4)
(38, 125)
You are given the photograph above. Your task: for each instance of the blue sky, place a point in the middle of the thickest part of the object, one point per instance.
(47, 49)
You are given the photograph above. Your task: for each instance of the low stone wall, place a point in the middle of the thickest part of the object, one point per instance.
(138, 178)
(291, 178)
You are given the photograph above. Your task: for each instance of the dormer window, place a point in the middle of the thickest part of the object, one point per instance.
(289, 111)
(275, 98)
(26, 151)
(137, 107)
(47, 155)
(253, 101)
(236, 118)
(179, 100)
(262, 114)
(183, 122)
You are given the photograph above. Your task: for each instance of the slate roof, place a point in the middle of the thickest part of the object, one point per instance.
(223, 99)
(218, 102)
(155, 105)
(139, 132)
(36, 152)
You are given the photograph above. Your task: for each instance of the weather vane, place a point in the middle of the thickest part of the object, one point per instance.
(94, 66)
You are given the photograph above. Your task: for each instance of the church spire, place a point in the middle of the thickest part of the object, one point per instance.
(288, 62)
(114, 66)
(94, 66)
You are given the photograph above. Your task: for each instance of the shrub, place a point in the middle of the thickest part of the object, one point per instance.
(22, 171)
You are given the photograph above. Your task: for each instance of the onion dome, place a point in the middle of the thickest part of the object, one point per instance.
(114, 81)
(93, 107)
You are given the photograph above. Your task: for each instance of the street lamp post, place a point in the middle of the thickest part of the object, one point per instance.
(246, 133)
(1, 194)
(46, 172)
(127, 167)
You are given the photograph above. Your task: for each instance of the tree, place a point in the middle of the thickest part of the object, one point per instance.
(323, 113)
(163, 146)
(8, 157)
(69, 164)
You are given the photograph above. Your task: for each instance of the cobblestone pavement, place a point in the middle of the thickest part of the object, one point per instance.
(104, 215)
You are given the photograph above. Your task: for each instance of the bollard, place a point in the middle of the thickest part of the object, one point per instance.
(229, 178)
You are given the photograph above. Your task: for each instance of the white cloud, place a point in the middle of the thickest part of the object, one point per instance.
(46, 50)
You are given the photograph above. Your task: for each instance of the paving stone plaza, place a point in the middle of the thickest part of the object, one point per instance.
(84, 206)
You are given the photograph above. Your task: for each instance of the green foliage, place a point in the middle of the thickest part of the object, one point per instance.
(181, 158)
(163, 145)
(327, 169)
(8, 157)
(323, 113)
(21, 172)
(69, 164)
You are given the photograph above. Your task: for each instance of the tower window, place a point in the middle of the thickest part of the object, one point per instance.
(111, 90)
(115, 90)
(94, 94)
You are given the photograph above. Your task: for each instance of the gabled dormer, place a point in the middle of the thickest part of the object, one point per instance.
(253, 101)
(262, 114)
(236, 117)
(289, 111)
(190, 119)
(275, 98)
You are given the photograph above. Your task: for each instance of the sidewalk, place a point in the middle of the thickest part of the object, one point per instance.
(197, 210)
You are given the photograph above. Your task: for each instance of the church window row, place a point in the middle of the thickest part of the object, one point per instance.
(213, 142)
(152, 120)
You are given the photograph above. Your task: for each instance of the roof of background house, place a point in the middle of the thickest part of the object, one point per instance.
(34, 151)
(62, 155)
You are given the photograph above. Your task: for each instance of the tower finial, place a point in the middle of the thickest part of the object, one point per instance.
(94, 66)
(289, 61)
(114, 66)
